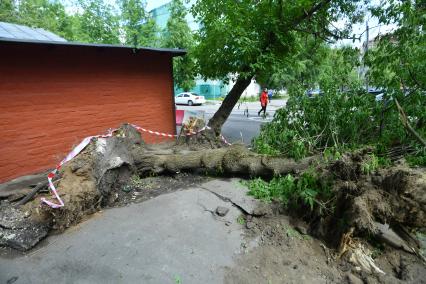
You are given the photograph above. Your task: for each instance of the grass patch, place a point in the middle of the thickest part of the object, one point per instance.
(241, 220)
(306, 190)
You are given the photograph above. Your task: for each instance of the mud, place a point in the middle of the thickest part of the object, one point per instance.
(395, 196)
(383, 209)
(286, 254)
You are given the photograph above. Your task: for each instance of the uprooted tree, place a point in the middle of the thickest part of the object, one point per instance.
(95, 177)
(344, 196)
(251, 39)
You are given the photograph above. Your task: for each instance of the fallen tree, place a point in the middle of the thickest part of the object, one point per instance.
(94, 178)
(91, 180)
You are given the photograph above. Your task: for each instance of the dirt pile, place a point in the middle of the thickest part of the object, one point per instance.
(376, 214)
(286, 253)
(364, 200)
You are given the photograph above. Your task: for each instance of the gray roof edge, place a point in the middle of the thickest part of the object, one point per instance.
(174, 52)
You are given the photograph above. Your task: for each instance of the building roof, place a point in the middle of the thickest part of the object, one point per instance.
(15, 31)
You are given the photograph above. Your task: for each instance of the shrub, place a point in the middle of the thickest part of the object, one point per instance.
(339, 121)
(305, 190)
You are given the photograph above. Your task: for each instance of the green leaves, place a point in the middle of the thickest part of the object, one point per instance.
(309, 125)
(139, 28)
(98, 23)
(305, 190)
(397, 60)
(253, 38)
(8, 11)
(178, 35)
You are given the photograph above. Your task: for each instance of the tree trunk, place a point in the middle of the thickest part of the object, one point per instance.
(221, 115)
(96, 176)
(234, 160)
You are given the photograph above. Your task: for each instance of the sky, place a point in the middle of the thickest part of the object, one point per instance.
(357, 29)
(152, 4)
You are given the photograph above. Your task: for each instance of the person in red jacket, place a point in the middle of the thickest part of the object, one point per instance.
(263, 102)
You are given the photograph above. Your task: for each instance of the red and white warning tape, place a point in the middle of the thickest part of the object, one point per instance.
(86, 142)
(169, 135)
(69, 157)
(224, 140)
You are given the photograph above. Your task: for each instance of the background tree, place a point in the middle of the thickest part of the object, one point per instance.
(397, 59)
(397, 64)
(139, 28)
(8, 11)
(345, 116)
(298, 71)
(98, 23)
(249, 38)
(49, 15)
(178, 35)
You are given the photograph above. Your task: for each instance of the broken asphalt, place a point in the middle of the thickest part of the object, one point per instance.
(173, 238)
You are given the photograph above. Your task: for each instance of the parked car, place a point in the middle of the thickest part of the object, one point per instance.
(189, 99)
(377, 93)
(313, 93)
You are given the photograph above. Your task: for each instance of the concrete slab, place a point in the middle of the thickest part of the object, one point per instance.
(174, 237)
(21, 184)
(231, 190)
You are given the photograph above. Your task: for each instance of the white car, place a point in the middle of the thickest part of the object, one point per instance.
(189, 99)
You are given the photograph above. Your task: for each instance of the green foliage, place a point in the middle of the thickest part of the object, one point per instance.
(94, 21)
(338, 121)
(397, 60)
(241, 220)
(257, 38)
(139, 28)
(417, 159)
(315, 64)
(384, 162)
(331, 154)
(307, 190)
(46, 14)
(98, 23)
(249, 99)
(370, 165)
(178, 279)
(8, 11)
(178, 35)
(309, 125)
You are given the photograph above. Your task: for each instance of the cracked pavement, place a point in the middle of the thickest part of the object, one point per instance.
(175, 236)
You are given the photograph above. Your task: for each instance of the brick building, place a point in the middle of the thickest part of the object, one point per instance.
(53, 94)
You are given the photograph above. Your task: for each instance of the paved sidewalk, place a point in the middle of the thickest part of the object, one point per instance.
(173, 238)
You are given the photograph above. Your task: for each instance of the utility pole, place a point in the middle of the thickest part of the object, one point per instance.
(366, 50)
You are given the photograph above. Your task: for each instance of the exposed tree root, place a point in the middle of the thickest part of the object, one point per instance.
(93, 178)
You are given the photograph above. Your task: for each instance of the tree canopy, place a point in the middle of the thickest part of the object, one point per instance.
(249, 38)
(139, 28)
(254, 38)
(177, 34)
(92, 21)
(397, 59)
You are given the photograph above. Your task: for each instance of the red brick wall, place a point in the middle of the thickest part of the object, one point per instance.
(51, 97)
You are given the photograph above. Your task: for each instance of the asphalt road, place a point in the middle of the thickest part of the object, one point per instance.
(239, 127)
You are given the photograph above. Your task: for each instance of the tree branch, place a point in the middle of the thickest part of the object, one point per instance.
(407, 125)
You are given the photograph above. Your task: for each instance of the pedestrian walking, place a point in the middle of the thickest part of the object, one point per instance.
(270, 94)
(263, 102)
